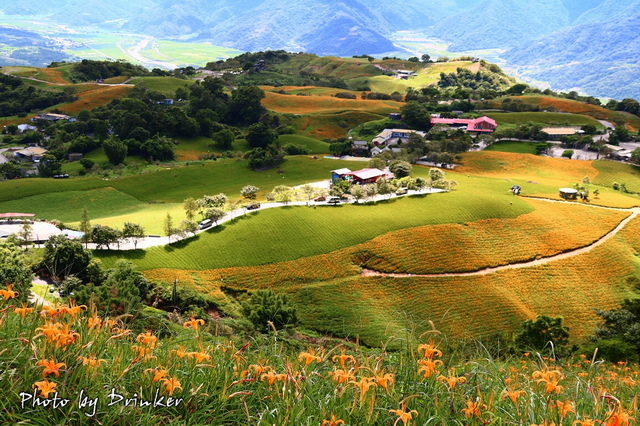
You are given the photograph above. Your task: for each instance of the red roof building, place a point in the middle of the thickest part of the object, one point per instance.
(366, 176)
(480, 124)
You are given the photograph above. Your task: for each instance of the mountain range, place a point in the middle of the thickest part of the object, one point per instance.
(542, 38)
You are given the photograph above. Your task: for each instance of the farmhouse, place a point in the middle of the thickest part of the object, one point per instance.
(568, 193)
(558, 132)
(47, 116)
(479, 125)
(404, 74)
(360, 148)
(618, 153)
(361, 177)
(394, 136)
(32, 153)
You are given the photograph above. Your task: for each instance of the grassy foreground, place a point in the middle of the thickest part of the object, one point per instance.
(69, 366)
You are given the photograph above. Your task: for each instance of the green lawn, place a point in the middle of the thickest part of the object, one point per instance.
(510, 146)
(315, 146)
(544, 118)
(289, 233)
(165, 85)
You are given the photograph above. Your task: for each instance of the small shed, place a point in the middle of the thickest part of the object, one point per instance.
(338, 174)
(75, 156)
(568, 193)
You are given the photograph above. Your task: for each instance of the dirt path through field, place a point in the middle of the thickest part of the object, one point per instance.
(571, 253)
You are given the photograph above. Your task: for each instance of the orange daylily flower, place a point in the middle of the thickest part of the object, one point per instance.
(171, 384)
(180, 352)
(271, 377)
(428, 367)
(147, 339)
(618, 417)
(50, 367)
(364, 384)
(565, 407)
(256, 370)
(9, 293)
(45, 387)
(342, 359)
(23, 311)
(586, 422)
(342, 376)
(384, 380)
(142, 351)
(94, 321)
(452, 380)
(199, 356)
(473, 409)
(72, 309)
(91, 361)
(51, 311)
(158, 374)
(333, 421)
(193, 323)
(66, 337)
(429, 350)
(309, 357)
(404, 416)
(513, 395)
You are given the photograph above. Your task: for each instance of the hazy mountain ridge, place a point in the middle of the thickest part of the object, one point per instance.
(572, 58)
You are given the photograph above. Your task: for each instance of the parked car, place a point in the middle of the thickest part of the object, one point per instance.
(402, 191)
(253, 206)
(205, 224)
(333, 200)
(320, 198)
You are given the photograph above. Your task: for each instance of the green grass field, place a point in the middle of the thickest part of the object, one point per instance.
(165, 85)
(509, 146)
(544, 118)
(314, 145)
(293, 232)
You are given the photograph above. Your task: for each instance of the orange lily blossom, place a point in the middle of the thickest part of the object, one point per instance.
(94, 321)
(342, 359)
(513, 395)
(473, 409)
(364, 384)
(158, 373)
(586, 422)
(142, 351)
(91, 361)
(452, 380)
(256, 370)
(342, 376)
(428, 367)
(429, 350)
(72, 309)
(51, 311)
(199, 356)
(180, 352)
(384, 380)
(46, 387)
(618, 417)
(564, 408)
(9, 293)
(309, 357)
(193, 323)
(171, 384)
(333, 421)
(404, 416)
(147, 339)
(271, 377)
(65, 337)
(51, 367)
(23, 311)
